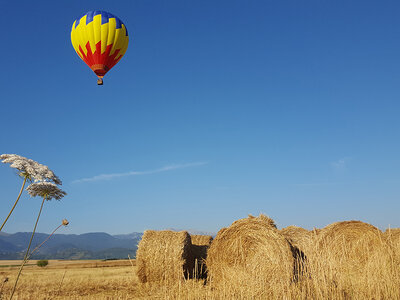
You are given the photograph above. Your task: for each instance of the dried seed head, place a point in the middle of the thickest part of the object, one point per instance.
(47, 190)
(30, 168)
(65, 222)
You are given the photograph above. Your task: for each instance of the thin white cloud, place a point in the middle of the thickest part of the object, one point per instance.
(340, 164)
(136, 173)
(316, 184)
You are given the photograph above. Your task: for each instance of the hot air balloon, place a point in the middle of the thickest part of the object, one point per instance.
(100, 39)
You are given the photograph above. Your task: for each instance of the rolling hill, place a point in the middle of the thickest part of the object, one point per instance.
(96, 245)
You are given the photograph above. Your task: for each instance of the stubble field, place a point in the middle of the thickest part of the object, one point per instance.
(118, 280)
(90, 279)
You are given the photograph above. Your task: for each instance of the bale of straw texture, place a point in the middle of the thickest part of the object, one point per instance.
(298, 237)
(302, 241)
(392, 236)
(200, 246)
(350, 253)
(164, 256)
(353, 241)
(251, 253)
(198, 239)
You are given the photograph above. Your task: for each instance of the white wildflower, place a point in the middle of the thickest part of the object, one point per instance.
(47, 190)
(30, 168)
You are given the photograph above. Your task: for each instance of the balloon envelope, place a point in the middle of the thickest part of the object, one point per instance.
(100, 39)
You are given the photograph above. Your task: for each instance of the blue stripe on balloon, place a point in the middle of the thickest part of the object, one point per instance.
(78, 20)
(89, 16)
(105, 16)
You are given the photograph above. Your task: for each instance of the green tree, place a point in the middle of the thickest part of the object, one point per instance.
(42, 263)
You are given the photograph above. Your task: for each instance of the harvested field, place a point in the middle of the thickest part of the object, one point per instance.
(325, 277)
(66, 264)
(79, 281)
(94, 279)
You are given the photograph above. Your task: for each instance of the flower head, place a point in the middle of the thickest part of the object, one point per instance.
(65, 222)
(45, 189)
(30, 168)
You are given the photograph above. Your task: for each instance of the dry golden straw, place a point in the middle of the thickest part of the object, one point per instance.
(98, 280)
(251, 252)
(298, 237)
(201, 239)
(392, 236)
(164, 256)
(344, 254)
(352, 242)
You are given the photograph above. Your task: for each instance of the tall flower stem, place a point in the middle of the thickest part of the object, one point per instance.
(37, 247)
(27, 250)
(15, 204)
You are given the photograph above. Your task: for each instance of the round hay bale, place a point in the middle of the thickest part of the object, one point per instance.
(352, 241)
(201, 239)
(302, 241)
(349, 253)
(250, 252)
(200, 246)
(164, 256)
(298, 237)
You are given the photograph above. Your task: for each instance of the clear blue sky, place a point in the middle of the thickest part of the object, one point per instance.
(218, 109)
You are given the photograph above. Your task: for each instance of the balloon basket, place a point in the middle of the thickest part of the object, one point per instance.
(100, 81)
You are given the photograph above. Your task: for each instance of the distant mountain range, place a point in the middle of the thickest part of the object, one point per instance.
(97, 245)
